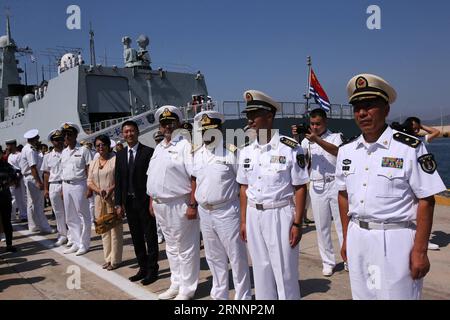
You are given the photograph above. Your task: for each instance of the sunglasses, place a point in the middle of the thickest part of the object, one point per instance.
(169, 123)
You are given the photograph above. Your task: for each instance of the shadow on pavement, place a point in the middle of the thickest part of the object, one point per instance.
(442, 239)
(310, 286)
(5, 284)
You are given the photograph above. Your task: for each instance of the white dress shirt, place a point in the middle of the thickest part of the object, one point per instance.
(52, 165)
(14, 160)
(74, 163)
(170, 169)
(384, 180)
(323, 163)
(29, 158)
(271, 171)
(215, 171)
(134, 149)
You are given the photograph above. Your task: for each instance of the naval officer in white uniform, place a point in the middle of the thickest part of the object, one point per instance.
(273, 179)
(18, 191)
(387, 181)
(75, 161)
(51, 166)
(170, 187)
(217, 193)
(30, 165)
(320, 146)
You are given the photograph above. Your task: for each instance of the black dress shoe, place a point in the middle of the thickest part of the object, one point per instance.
(150, 278)
(138, 276)
(11, 249)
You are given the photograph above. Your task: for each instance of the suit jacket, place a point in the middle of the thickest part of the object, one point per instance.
(141, 161)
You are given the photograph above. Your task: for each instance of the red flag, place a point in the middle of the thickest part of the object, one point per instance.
(317, 92)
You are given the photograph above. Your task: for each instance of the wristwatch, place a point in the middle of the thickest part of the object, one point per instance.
(297, 225)
(193, 205)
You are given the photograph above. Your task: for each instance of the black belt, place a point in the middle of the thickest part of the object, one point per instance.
(72, 181)
(55, 182)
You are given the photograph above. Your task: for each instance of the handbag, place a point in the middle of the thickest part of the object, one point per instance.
(106, 220)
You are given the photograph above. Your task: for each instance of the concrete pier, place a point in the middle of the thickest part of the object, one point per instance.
(39, 271)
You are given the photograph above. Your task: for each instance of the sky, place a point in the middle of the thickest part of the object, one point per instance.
(263, 45)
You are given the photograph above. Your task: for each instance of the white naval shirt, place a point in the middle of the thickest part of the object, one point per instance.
(323, 163)
(170, 169)
(215, 171)
(14, 160)
(271, 171)
(52, 164)
(74, 162)
(384, 180)
(29, 158)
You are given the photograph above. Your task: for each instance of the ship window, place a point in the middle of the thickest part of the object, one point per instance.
(107, 94)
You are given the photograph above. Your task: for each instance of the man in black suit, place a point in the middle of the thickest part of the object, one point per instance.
(131, 197)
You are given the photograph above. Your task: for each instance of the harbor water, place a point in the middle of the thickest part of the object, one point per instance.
(440, 148)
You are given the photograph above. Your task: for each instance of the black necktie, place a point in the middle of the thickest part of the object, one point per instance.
(130, 172)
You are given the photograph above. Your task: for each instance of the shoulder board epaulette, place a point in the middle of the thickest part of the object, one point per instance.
(406, 139)
(291, 143)
(195, 147)
(245, 145)
(231, 147)
(347, 141)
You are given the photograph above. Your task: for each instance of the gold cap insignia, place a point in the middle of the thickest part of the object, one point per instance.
(205, 120)
(248, 97)
(166, 113)
(361, 82)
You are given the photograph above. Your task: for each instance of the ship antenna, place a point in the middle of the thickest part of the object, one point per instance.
(91, 44)
(8, 26)
(307, 95)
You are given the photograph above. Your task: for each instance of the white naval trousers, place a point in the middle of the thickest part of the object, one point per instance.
(182, 244)
(56, 199)
(78, 216)
(19, 197)
(275, 263)
(378, 262)
(220, 230)
(35, 206)
(92, 208)
(324, 205)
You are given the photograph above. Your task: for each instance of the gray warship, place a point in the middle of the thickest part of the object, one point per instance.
(98, 98)
(95, 97)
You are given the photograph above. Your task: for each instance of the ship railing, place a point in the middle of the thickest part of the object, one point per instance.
(97, 126)
(190, 110)
(233, 110)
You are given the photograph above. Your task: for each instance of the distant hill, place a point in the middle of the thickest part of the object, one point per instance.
(433, 122)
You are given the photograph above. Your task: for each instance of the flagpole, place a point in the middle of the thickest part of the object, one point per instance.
(307, 95)
(26, 80)
(37, 73)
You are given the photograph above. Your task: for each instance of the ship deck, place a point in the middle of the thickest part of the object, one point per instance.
(40, 272)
